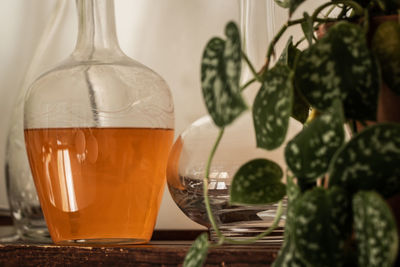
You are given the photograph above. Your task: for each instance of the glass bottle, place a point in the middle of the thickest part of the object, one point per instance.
(98, 129)
(186, 169)
(189, 155)
(23, 201)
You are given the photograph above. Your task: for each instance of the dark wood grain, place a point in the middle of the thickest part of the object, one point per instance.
(168, 253)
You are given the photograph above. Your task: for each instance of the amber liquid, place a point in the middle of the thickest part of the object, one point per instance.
(99, 185)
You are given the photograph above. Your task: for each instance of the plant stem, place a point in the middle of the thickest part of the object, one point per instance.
(247, 84)
(275, 223)
(221, 238)
(273, 43)
(252, 69)
(330, 11)
(357, 8)
(282, 31)
(205, 184)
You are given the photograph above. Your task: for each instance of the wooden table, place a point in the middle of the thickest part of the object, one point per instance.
(156, 253)
(167, 248)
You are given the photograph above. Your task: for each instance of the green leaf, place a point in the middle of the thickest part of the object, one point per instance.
(301, 108)
(257, 182)
(293, 5)
(308, 154)
(375, 230)
(282, 3)
(318, 232)
(288, 256)
(197, 253)
(289, 54)
(292, 189)
(369, 161)
(386, 46)
(307, 27)
(340, 65)
(272, 107)
(220, 74)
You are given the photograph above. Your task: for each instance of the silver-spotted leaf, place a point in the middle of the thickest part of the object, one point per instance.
(257, 182)
(232, 57)
(386, 46)
(272, 107)
(375, 230)
(197, 253)
(316, 234)
(369, 161)
(309, 153)
(292, 189)
(288, 255)
(220, 74)
(340, 65)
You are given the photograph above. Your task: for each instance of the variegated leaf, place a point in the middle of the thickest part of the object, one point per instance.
(375, 230)
(272, 107)
(386, 45)
(288, 256)
(292, 189)
(369, 161)
(257, 182)
(340, 66)
(318, 233)
(197, 253)
(309, 153)
(220, 73)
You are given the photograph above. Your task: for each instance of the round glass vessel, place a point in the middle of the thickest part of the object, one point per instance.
(98, 129)
(186, 169)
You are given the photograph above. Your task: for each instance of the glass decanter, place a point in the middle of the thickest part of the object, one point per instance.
(23, 201)
(186, 169)
(189, 155)
(98, 130)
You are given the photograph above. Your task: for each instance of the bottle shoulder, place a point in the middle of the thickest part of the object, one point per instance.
(113, 93)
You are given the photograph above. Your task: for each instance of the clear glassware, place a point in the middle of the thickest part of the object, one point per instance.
(186, 169)
(98, 130)
(189, 155)
(24, 204)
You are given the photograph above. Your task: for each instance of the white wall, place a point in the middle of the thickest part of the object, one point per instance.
(166, 35)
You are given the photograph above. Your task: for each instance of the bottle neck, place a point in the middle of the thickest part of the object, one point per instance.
(97, 38)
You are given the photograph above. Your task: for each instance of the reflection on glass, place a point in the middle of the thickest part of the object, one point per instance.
(68, 198)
